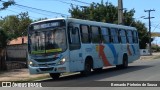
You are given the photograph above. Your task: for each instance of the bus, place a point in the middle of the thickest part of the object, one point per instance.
(61, 45)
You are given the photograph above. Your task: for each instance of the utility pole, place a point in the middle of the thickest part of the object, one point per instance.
(149, 18)
(120, 12)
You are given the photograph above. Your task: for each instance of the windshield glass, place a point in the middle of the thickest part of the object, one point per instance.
(48, 41)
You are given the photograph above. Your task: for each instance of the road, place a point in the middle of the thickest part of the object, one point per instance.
(141, 70)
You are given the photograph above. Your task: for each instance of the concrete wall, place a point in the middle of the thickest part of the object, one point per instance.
(17, 52)
(16, 56)
(144, 52)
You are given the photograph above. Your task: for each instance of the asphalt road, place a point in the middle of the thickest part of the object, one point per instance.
(141, 70)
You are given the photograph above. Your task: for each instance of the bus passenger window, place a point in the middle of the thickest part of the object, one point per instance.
(95, 34)
(85, 34)
(123, 36)
(74, 36)
(129, 35)
(135, 37)
(114, 35)
(105, 35)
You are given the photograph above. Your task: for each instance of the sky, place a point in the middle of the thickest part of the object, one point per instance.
(59, 6)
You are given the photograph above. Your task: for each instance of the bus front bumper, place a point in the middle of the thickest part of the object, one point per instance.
(41, 70)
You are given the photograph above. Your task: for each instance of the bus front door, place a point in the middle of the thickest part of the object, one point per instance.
(75, 48)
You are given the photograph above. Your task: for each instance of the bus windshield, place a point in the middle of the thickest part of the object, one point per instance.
(47, 41)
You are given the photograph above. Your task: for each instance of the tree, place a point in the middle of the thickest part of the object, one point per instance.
(143, 33)
(40, 19)
(16, 25)
(108, 13)
(6, 4)
(3, 38)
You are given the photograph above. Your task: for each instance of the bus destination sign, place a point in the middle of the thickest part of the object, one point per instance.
(46, 25)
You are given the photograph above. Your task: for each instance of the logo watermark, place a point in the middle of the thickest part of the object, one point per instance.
(17, 84)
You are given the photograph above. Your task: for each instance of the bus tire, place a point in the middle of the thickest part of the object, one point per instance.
(98, 69)
(124, 63)
(54, 75)
(87, 68)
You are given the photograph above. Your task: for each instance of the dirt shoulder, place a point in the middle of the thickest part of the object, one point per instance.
(20, 75)
(153, 56)
(23, 74)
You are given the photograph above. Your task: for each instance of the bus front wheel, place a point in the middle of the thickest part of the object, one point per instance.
(55, 75)
(87, 68)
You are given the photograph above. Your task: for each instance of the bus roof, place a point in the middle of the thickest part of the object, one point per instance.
(88, 22)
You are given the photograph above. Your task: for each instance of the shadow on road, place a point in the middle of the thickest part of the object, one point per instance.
(105, 73)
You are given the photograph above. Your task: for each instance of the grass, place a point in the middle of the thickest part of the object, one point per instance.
(156, 57)
(33, 79)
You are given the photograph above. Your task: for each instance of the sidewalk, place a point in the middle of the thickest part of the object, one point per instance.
(23, 74)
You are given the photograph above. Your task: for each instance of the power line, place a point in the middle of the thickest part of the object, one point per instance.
(81, 2)
(156, 27)
(18, 13)
(40, 9)
(67, 2)
(31, 10)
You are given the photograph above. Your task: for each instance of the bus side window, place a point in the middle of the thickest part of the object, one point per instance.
(123, 36)
(105, 35)
(74, 38)
(95, 34)
(129, 35)
(114, 35)
(135, 37)
(85, 36)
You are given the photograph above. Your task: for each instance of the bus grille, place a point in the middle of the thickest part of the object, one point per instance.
(44, 65)
(46, 60)
(46, 69)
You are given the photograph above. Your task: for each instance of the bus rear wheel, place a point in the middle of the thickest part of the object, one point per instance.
(55, 75)
(124, 64)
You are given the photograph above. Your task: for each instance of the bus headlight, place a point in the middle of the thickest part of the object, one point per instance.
(32, 64)
(62, 61)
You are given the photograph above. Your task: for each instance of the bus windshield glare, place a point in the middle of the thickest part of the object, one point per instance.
(51, 39)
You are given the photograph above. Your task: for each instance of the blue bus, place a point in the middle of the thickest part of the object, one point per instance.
(63, 45)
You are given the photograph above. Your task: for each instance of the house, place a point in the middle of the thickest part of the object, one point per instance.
(16, 53)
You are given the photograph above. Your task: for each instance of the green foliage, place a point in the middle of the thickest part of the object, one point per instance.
(39, 19)
(3, 38)
(6, 4)
(108, 13)
(155, 48)
(142, 32)
(3, 34)
(16, 25)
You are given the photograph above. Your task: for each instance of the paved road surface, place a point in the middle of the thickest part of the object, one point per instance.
(141, 70)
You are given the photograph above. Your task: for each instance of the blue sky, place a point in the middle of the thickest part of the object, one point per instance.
(57, 6)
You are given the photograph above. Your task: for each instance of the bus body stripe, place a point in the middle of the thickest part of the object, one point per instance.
(128, 49)
(134, 51)
(103, 56)
(111, 46)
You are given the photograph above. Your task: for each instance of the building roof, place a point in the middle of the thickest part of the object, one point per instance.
(18, 41)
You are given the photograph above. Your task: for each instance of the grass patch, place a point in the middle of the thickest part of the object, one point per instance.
(33, 79)
(156, 57)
